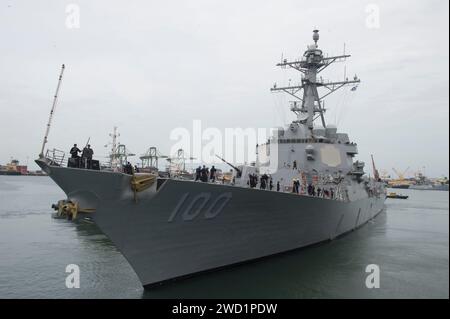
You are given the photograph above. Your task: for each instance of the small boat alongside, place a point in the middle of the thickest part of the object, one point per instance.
(396, 196)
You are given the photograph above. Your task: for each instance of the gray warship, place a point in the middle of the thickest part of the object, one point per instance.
(169, 228)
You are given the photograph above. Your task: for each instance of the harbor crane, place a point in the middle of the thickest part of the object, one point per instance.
(401, 175)
(150, 158)
(177, 163)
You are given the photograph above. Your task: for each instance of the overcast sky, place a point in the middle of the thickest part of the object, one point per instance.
(151, 66)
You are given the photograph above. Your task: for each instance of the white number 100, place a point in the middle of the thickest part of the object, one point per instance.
(198, 203)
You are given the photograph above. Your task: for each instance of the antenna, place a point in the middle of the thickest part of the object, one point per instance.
(307, 92)
(52, 111)
(114, 154)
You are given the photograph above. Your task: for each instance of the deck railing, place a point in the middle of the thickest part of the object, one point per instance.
(56, 157)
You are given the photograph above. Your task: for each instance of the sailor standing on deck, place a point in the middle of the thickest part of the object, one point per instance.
(319, 192)
(297, 186)
(90, 153)
(197, 173)
(74, 151)
(262, 185)
(85, 152)
(309, 189)
(212, 174)
(86, 156)
(128, 168)
(204, 174)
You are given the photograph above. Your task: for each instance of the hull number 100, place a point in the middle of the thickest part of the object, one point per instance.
(204, 204)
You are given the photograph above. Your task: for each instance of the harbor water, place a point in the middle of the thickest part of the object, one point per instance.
(409, 242)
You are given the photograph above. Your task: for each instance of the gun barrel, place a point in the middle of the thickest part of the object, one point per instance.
(234, 167)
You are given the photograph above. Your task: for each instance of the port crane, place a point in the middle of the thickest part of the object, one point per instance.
(401, 175)
(376, 175)
(150, 158)
(177, 163)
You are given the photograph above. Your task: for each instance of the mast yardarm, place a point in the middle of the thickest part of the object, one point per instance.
(308, 103)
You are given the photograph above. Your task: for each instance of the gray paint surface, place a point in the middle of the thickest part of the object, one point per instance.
(253, 223)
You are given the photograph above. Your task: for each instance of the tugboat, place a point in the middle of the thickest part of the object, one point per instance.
(170, 228)
(397, 196)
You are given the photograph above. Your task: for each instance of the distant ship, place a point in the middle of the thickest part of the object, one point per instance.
(401, 182)
(401, 186)
(441, 184)
(424, 183)
(421, 186)
(13, 168)
(440, 187)
(169, 228)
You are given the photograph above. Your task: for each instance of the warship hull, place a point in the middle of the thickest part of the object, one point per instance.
(179, 228)
(169, 228)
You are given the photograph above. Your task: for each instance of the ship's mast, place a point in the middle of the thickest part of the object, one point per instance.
(52, 111)
(309, 106)
(114, 135)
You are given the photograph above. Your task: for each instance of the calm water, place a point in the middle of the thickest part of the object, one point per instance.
(409, 242)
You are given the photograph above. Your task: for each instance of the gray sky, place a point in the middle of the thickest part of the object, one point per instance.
(151, 66)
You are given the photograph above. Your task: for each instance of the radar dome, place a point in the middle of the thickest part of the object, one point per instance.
(316, 36)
